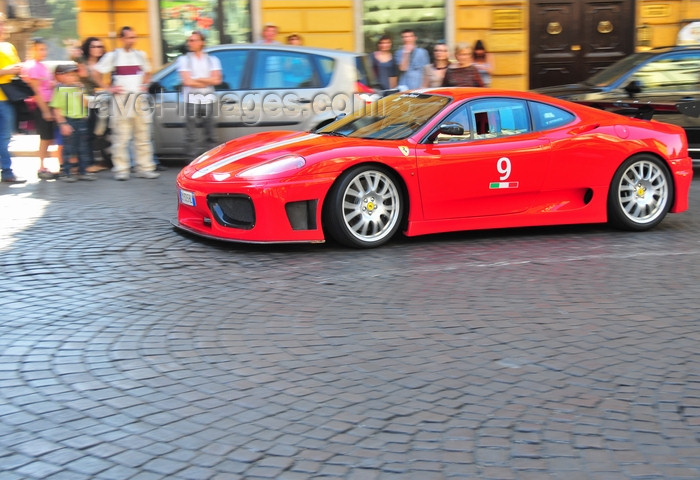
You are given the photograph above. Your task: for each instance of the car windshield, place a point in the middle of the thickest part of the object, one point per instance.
(611, 74)
(390, 118)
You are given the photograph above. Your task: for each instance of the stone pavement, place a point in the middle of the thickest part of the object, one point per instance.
(130, 351)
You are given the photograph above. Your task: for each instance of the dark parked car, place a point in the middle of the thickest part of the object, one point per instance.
(663, 82)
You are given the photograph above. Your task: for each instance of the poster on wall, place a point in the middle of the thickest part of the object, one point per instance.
(426, 18)
(221, 21)
(179, 18)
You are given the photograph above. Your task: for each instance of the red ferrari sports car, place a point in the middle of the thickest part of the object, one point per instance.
(438, 160)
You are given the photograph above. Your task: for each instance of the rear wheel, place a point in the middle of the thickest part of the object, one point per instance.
(364, 208)
(640, 194)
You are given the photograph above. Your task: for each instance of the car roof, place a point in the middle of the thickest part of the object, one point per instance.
(462, 93)
(282, 47)
(672, 48)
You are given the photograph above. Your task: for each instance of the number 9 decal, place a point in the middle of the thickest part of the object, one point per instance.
(503, 167)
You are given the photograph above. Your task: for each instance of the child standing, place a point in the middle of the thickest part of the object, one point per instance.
(71, 113)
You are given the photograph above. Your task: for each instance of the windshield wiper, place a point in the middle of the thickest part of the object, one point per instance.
(334, 134)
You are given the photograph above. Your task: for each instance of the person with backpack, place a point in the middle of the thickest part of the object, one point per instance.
(200, 73)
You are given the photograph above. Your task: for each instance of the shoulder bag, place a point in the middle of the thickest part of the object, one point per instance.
(17, 90)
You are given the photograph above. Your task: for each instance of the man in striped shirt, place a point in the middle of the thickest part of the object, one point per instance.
(131, 115)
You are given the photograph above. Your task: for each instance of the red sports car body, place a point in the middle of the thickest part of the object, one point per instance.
(438, 160)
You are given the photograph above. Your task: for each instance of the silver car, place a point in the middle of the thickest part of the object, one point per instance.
(265, 87)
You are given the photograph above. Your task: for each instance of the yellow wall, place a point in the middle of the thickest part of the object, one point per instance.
(660, 20)
(104, 19)
(691, 9)
(328, 24)
(502, 25)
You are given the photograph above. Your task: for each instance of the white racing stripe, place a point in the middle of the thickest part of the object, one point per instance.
(228, 160)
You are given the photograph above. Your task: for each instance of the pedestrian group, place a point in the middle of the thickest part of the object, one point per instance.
(410, 67)
(66, 112)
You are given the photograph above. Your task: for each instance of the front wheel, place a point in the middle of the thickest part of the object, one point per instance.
(640, 194)
(364, 208)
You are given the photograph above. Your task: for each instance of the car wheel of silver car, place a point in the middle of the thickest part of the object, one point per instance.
(364, 208)
(640, 194)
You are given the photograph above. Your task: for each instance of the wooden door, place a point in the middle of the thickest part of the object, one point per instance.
(572, 39)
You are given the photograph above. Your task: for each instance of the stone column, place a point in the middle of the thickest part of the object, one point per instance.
(20, 25)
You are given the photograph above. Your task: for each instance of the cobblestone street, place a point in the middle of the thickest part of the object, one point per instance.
(129, 351)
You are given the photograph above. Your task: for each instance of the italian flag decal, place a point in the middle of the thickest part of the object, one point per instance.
(497, 185)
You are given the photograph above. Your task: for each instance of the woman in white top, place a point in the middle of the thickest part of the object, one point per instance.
(434, 73)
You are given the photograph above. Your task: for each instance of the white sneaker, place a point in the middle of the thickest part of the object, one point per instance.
(147, 174)
(121, 176)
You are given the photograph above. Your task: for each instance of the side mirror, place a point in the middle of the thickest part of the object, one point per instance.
(386, 93)
(451, 129)
(155, 88)
(328, 122)
(633, 88)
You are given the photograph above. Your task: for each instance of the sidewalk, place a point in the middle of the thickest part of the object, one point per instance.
(23, 145)
(24, 150)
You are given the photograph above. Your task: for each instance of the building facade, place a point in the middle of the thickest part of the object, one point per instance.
(534, 42)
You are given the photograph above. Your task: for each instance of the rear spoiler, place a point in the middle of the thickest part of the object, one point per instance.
(645, 110)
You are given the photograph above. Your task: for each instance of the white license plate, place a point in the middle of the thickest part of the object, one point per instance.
(187, 198)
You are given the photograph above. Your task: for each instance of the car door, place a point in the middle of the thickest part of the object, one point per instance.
(284, 85)
(234, 117)
(168, 122)
(496, 168)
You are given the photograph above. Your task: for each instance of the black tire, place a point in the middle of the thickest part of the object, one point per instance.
(364, 209)
(640, 194)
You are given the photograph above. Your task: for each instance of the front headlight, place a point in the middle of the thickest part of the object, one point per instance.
(286, 164)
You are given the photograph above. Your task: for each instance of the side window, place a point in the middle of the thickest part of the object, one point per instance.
(326, 65)
(275, 69)
(498, 117)
(547, 116)
(677, 73)
(171, 82)
(233, 63)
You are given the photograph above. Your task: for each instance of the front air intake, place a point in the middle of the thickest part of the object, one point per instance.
(302, 215)
(235, 211)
